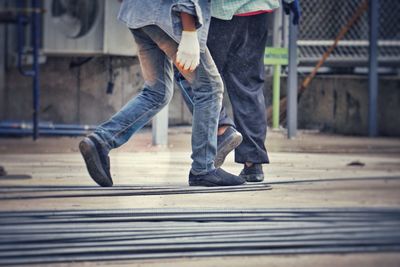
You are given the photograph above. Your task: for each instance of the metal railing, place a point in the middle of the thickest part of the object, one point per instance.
(323, 19)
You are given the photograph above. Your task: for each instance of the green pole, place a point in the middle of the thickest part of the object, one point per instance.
(276, 96)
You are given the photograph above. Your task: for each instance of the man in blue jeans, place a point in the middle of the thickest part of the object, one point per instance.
(167, 32)
(237, 40)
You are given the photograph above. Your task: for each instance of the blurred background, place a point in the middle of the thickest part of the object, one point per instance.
(66, 65)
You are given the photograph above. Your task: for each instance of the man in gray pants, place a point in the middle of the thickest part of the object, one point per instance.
(237, 40)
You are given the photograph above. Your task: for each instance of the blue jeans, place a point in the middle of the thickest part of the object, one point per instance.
(157, 53)
(237, 46)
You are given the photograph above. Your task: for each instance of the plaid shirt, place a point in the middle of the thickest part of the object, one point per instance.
(226, 9)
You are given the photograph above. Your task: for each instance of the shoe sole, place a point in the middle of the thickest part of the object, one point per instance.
(203, 183)
(226, 148)
(209, 184)
(252, 179)
(93, 163)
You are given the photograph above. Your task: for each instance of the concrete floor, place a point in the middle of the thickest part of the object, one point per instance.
(313, 170)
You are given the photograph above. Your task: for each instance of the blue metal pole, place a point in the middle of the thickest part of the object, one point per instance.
(22, 20)
(36, 36)
(292, 89)
(373, 67)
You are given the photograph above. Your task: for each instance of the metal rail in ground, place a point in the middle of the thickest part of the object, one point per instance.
(127, 234)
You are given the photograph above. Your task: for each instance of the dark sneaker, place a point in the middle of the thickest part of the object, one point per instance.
(226, 142)
(97, 161)
(254, 173)
(217, 177)
(2, 171)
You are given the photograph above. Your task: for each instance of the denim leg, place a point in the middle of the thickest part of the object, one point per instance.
(157, 92)
(186, 89)
(207, 97)
(207, 103)
(188, 94)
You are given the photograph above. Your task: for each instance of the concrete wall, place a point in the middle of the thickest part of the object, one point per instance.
(340, 104)
(78, 96)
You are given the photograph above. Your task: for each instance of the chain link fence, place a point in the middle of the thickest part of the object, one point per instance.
(323, 19)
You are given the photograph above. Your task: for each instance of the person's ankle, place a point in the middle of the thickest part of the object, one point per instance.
(222, 129)
(248, 164)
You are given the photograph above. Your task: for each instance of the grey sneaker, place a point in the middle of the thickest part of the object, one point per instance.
(226, 142)
(254, 173)
(97, 161)
(217, 177)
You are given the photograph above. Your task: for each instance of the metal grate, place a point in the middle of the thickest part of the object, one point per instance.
(323, 19)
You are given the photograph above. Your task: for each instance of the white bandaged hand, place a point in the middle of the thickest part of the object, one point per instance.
(188, 55)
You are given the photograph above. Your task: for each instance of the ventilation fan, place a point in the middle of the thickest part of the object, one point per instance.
(85, 27)
(74, 18)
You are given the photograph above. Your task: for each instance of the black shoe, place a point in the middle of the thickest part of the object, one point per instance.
(254, 173)
(97, 161)
(226, 142)
(2, 171)
(217, 177)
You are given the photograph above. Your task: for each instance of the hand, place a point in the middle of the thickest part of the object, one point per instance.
(188, 55)
(293, 7)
